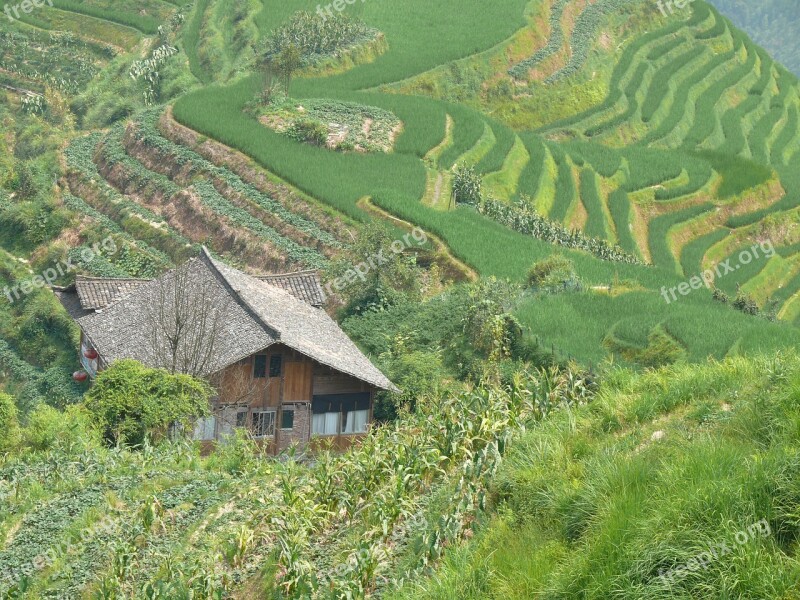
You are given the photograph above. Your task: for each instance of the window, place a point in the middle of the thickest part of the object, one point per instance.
(241, 418)
(204, 429)
(264, 423)
(287, 418)
(325, 423)
(340, 413)
(260, 366)
(275, 363)
(356, 421)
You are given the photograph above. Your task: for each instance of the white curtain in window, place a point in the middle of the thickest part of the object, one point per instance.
(356, 421)
(325, 423)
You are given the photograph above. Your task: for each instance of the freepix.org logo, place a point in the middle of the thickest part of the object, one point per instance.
(667, 7)
(26, 6)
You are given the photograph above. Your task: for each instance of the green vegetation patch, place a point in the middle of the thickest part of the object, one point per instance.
(626, 497)
(345, 125)
(317, 38)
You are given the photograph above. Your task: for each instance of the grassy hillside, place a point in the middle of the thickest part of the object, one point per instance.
(164, 522)
(688, 473)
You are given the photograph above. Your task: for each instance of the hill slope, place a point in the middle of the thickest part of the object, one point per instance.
(675, 484)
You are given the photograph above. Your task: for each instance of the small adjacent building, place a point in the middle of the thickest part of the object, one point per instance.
(282, 367)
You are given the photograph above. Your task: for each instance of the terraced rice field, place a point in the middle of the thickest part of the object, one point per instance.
(694, 143)
(689, 154)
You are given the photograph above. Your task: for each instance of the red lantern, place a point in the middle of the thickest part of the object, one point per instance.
(80, 376)
(90, 353)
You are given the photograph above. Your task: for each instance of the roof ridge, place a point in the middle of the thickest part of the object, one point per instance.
(272, 275)
(206, 257)
(90, 278)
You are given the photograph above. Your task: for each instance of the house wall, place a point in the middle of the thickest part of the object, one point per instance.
(301, 380)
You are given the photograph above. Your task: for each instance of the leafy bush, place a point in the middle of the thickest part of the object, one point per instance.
(316, 37)
(9, 424)
(131, 402)
(418, 373)
(553, 270)
(721, 296)
(237, 454)
(389, 277)
(746, 304)
(489, 327)
(309, 131)
(71, 429)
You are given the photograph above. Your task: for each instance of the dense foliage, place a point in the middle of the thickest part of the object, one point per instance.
(131, 402)
(659, 469)
(316, 37)
(356, 522)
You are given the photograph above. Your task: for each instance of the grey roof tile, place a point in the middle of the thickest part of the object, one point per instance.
(99, 292)
(304, 285)
(308, 330)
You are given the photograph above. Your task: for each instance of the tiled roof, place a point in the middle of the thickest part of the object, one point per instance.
(304, 285)
(98, 292)
(128, 328)
(257, 314)
(308, 330)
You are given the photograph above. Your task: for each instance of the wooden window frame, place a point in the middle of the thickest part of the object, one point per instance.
(260, 371)
(261, 411)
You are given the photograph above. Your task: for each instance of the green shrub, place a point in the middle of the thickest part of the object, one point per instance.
(395, 277)
(746, 304)
(309, 131)
(316, 38)
(467, 185)
(130, 402)
(236, 454)
(553, 270)
(721, 296)
(49, 428)
(418, 373)
(9, 425)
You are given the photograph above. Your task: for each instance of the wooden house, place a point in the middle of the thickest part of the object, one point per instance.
(283, 368)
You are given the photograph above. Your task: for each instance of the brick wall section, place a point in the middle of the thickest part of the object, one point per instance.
(301, 430)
